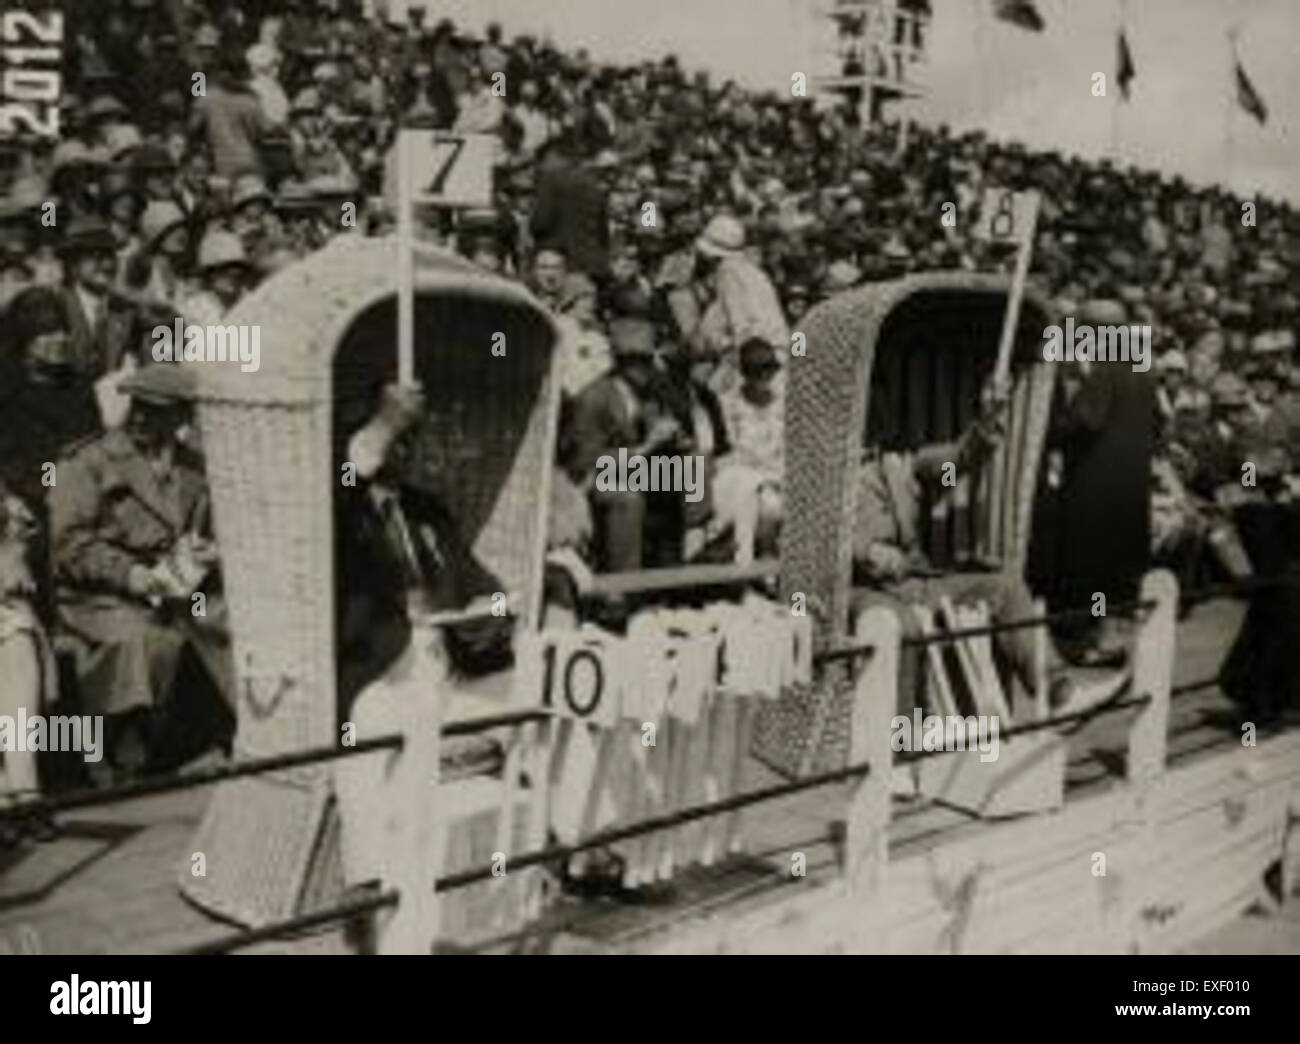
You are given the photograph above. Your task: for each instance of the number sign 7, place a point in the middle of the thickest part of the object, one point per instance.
(446, 150)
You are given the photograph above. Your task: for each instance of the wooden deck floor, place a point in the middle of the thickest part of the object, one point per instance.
(108, 885)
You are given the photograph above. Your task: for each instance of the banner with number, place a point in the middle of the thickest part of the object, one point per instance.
(668, 663)
(1006, 216)
(448, 170)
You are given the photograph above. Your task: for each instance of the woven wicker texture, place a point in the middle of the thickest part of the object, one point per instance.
(827, 398)
(328, 341)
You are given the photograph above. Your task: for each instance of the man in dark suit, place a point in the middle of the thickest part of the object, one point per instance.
(571, 213)
(619, 411)
(1104, 428)
(98, 328)
(397, 548)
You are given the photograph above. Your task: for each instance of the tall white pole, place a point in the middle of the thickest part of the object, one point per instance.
(405, 263)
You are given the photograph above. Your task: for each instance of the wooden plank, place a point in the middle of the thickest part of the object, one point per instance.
(970, 671)
(938, 675)
(1028, 776)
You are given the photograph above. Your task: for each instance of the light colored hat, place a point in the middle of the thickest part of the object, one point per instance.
(723, 236)
(26, 193)
(306, 100)
(121, 139)
(261, 58)
(207, 36)
(104, 105)
(160, 217)
(1273, 341)
(247, 189)
(895, 249)
(842, 275)
(70, 153)
(1102, 312)
(1229, 390)
(606, 159)
(221, 248)
(1173, 361)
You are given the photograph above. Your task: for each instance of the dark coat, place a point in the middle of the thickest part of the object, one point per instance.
(373, 626)
(1102, 538)
(598, 422)
(40, 423)
(571, 214)
(98, 347)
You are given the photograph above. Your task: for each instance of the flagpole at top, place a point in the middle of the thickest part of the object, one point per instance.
(1114, 109)
(1230, 102)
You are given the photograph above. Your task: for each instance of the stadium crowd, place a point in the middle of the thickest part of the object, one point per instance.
(172, 201)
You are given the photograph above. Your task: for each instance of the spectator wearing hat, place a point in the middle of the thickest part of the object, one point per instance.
(75, 171)
(619, 411)
(1104, 428)
(224, 275)
(316, 156)
(157, 276)
(571, 207)
(98, 326)
(251, 215)
(729, 303)
(122, 203)
(130, 543)
(564, 292)
(46, 399)
(747, 489)
(48, 408)
(264, 81)
(1259, 672)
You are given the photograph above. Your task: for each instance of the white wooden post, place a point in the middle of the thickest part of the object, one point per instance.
(1011, 318)
(865, 847)
(418, 824)
(1153, 667)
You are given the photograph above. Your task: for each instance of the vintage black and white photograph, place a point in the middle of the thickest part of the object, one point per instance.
(701, 477)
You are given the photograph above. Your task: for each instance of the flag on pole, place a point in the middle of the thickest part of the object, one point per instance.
(1019, 12)
(1126, 71)
(1248, 98)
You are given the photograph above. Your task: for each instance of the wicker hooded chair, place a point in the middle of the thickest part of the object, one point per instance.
(899, 364)
(328, 336)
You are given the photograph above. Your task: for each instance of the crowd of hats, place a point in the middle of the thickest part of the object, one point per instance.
(821, 200)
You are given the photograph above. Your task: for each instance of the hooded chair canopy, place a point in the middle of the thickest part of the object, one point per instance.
(898, 365)
(274, 439)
